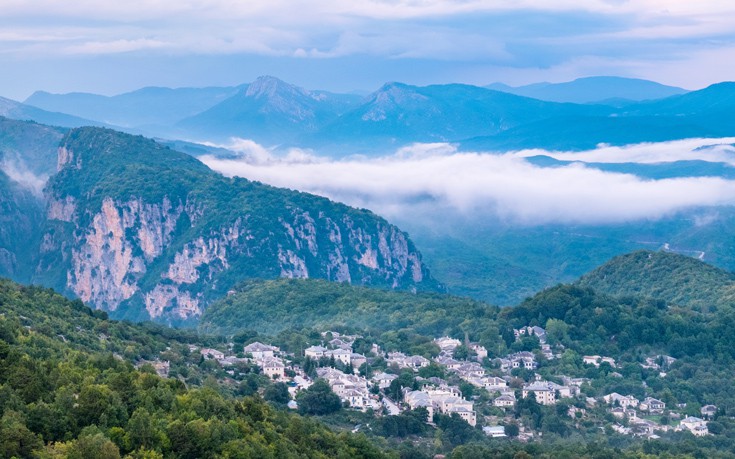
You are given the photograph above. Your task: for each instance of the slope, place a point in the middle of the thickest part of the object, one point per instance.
(18, 111)
(69, 389)
(143, 231)
(668, 276)
(275, 305)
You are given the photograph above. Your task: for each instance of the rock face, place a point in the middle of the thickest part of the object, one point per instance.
(164, 250)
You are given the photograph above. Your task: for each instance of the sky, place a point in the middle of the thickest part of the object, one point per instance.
(436, 179)
(112, 46)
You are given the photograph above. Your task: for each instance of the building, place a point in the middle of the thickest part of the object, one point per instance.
(447, 344)
(523, 360)
(208, 353)
(694, 425)
(493, 384)
(479, 350)
(315, 352)
(708, 411)
(505, 400)
(623, 401)
(260, 351)
(273, 368)
(652, 405)
(357, 360)
(420, 399)
(536, 331)
(494, 431)
(545, 395)
(596, 360)
(340, 355)
(383, 380)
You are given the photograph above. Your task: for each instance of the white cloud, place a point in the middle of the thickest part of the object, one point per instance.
(505, 186)
(19, 173)
(712, 150)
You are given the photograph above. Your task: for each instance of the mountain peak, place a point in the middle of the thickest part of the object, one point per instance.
(269, 86)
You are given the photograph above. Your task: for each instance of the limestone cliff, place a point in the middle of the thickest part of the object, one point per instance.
(146, 232)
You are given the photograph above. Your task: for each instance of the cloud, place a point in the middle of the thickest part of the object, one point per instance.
(469, 41)
(711, 150)
(436, 176)
(19, 173)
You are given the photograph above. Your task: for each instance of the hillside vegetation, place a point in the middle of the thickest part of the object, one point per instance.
(274, 305)
(667, 276)
(65, 392)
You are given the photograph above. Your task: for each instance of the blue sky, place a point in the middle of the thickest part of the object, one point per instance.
(110, 47)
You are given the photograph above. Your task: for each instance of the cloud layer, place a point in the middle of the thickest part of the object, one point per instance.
(436, 176)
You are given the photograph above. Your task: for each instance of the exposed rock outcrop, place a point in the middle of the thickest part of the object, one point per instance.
(172, 252)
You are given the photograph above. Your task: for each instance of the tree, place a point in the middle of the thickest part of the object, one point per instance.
(557, 331)
(15, 438)
(318, 399)
(512, 430)
(462, 352)
(432, 370)
(277, 393)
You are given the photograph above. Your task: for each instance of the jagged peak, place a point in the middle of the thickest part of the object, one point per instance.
(269, 86)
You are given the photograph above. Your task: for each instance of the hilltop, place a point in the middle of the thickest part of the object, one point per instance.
(671, 277)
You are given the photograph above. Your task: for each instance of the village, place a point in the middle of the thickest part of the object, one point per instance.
(467, 373)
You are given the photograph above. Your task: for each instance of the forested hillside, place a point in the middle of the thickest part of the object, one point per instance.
(667, 276)
(275, 305)
(68, 389)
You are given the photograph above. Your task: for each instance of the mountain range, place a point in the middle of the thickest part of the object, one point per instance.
(570, 115)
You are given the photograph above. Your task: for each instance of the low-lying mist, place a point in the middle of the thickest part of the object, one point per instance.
(431, 179)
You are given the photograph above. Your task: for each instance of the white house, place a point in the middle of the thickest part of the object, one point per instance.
(623, 400)
(315, 352)
(505, 400)
(273, 368)
(494, 431)
(340, 355)
(384, 379)
(446, 343)
(652, 405)
(545, 395)
(694, 425)
(260, 351)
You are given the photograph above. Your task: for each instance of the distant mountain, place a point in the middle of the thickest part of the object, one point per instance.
(146, 232)
(713, 100)
(601, 89)
(578, 133)
(18, 111)
(275, 113)
(667, 276)
(674, 169)
(704, 113)
(397, 114)
(149, 107)
(269, 110)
